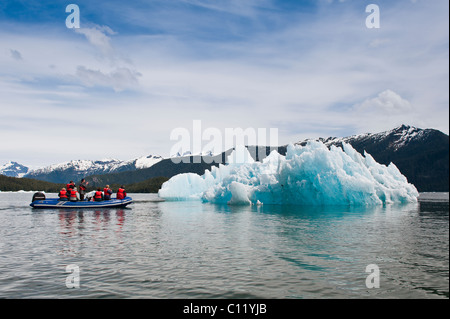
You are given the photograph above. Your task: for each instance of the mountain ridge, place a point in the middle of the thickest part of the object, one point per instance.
(422, 155)
(13, 169)
(77, 169)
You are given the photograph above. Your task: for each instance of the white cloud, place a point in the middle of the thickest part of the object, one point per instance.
(119, 79)
(384, 111)
(98, 37)
(387, 102)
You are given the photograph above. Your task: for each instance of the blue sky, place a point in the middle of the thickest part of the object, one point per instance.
(136, 70)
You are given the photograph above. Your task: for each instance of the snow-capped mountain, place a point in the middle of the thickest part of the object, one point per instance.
(82, 166)
(13, 169)
(146, 161)
(77, 169)
(189, 153)
(393, 140)
(422, 155)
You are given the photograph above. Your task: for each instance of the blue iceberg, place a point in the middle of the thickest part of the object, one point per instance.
(307, 175)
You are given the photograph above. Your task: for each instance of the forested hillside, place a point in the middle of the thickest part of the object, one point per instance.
(27, 184)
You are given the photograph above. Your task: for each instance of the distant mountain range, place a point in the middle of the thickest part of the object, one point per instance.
(13, 169)
(77, 169)
(422, 155)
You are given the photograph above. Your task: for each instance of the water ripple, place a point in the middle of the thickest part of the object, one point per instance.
(160, 249)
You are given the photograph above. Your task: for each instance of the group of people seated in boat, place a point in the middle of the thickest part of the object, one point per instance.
(71, 193)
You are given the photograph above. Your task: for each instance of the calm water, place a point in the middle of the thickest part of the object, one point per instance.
(192, 250)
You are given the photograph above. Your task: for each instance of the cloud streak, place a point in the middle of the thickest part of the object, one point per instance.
(98, 36)
(119, 79)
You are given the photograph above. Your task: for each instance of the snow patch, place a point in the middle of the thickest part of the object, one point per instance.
(147, 161)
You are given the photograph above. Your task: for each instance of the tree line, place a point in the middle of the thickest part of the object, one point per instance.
(14, 184)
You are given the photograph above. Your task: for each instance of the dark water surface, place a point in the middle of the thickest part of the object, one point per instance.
(160, 249)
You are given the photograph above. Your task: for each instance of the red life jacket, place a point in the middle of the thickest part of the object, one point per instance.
(107, 193)
(120, 193)
(73, 193)
(62, 194)
(98, 195)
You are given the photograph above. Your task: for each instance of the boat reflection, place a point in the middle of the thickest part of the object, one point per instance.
(72, 222)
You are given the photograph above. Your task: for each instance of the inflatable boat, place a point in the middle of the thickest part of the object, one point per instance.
(56, 203)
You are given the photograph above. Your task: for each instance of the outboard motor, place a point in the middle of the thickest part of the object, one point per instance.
(38, 196)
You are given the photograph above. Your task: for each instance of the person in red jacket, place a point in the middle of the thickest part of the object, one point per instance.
(74, 195)
(98, 196)
(107, 192)
(70, 186)
(121, 193)
(63, 195)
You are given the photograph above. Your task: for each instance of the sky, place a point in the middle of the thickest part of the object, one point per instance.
(135, 71)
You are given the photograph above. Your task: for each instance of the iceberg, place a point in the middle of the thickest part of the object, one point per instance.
(307, 175)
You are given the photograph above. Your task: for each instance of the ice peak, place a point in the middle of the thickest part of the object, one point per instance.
(307, 175)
